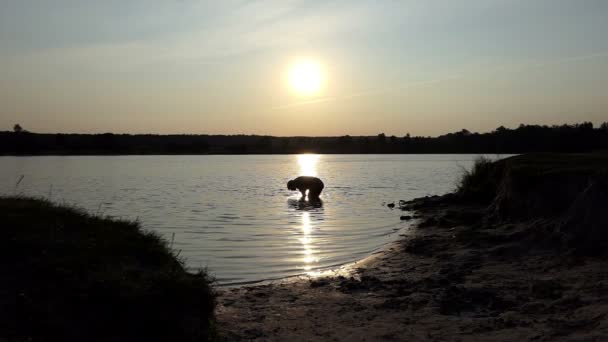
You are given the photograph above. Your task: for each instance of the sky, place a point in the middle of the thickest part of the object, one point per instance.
(424, 67)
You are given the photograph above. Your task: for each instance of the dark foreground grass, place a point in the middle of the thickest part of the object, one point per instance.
(70, 276)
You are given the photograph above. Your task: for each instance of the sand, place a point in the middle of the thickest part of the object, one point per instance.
(452, 278)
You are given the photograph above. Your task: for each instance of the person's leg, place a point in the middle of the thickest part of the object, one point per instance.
(314, 193)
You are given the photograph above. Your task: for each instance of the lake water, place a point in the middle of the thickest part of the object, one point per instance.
(233, 214)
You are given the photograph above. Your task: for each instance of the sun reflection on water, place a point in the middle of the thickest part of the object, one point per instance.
(307, 167)
(308, 164)
(306, 241)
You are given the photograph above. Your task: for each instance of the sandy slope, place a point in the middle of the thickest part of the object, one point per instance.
(454, 279)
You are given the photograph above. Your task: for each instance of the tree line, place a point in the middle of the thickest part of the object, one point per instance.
(583, 137)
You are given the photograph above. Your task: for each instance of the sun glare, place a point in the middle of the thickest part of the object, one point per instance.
(306, 77)
(308, 164)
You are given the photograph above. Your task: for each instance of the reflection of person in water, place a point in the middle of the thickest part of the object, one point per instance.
(313, 184)
(315, 205)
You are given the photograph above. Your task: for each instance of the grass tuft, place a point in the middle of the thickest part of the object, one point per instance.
(479, 183)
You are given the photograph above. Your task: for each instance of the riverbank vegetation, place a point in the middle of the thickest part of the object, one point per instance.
(566, 192)
(71, 276)
(581, 137)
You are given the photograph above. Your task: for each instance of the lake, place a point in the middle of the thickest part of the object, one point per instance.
(234, 214)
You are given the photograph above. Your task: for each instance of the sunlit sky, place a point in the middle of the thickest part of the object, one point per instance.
(425, 67)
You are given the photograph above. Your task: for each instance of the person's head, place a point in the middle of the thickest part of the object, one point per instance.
(291, 185)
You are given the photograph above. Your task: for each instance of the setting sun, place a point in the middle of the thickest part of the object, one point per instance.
(306, 77)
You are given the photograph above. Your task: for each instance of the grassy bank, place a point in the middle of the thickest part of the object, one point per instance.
(487, 179)
(565, 194)
(70, 276)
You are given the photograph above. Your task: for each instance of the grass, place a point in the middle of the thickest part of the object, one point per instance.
(479, 183)
(71, 276)
(488, 178)
(568, 191)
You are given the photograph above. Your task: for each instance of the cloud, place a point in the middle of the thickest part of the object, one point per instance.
(232, 31)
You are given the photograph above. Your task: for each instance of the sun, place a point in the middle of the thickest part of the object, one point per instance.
(306, 77)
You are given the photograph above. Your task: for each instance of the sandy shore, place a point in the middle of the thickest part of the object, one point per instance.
(455, 278)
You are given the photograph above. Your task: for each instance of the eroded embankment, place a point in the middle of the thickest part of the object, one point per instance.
(565, 195)
(478, 267)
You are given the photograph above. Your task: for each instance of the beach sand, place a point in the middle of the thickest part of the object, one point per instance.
(452, 278)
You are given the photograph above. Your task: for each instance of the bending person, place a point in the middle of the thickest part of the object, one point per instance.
(313, 184)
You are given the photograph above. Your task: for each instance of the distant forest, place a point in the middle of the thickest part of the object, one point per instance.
(526, 138)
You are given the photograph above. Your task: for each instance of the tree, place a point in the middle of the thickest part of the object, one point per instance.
(586, 125)
(382, 138)
(501, 129)
(17, 128)
(345, 140)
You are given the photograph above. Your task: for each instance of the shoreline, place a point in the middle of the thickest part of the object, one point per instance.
(244, 324)
(346, 269)
(416, 288)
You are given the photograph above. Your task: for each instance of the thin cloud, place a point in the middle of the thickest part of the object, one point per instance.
(239, 30)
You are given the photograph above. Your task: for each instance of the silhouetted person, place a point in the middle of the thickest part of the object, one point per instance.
(313, 184)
